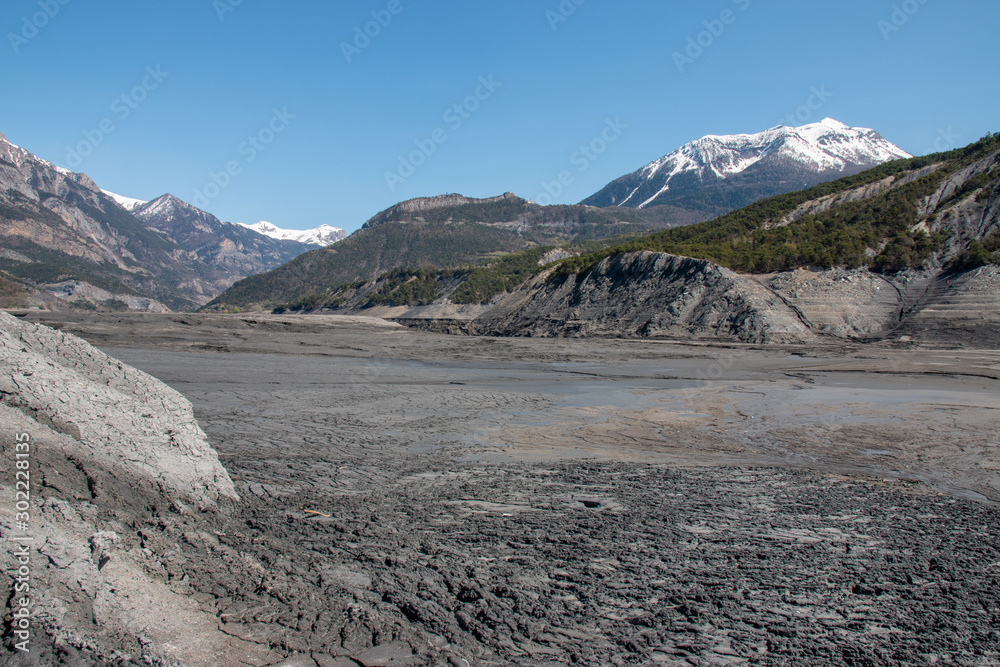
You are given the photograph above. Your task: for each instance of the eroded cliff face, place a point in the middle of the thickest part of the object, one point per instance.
(845, 303)
(956, 309)
(660, 295)
(647, 294)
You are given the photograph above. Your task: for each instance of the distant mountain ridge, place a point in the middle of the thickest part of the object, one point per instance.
(432, 232)
(908, 251)
(99, 237)
(717, 174)
(700, 181)
(411, 209)
(61, 232)
(222, 245)
(320, 236)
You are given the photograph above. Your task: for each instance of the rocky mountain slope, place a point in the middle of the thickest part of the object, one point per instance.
(430, 232)
(231, 248)
(17, 293)
(646, 294)
(905, 251)
(60, 231)
(656, 295)
(921, 246)
(718, 174)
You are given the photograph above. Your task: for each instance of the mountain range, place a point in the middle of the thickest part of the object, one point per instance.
(695, 183)
(87, 247)
(187, 257)
(433, 232)
(323, 235)
(320, 236)
(718, 174)
(906, 251)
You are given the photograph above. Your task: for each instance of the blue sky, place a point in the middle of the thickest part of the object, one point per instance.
(255, 109)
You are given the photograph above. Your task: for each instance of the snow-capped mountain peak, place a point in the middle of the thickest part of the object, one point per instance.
(323, 235)
(128, 203)
(799, 155)
(18, 156)
(164, 206)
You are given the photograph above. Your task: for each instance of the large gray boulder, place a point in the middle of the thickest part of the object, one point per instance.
(114, 414)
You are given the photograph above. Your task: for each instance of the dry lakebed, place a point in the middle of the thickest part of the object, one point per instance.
(412, 498)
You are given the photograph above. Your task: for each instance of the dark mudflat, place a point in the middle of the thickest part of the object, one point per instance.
(412, 498)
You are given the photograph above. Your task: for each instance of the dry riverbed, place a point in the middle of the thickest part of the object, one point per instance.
(416, 498)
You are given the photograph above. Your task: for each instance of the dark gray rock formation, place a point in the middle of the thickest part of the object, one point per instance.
(647, 294)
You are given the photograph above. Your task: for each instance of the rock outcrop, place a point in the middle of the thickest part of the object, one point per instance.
(409, 207)
(123, 418)
(845, 303)
(111, 452)
(961, 308)
(647, 294)
(652, 295)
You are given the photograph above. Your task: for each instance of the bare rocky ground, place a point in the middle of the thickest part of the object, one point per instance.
(410, 498)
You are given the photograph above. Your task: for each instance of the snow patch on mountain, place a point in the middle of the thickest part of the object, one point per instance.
(323, 235)
(128, 203)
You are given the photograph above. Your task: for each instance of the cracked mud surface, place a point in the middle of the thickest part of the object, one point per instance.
(581, 502)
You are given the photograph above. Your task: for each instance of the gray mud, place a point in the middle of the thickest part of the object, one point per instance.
(413, 498)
